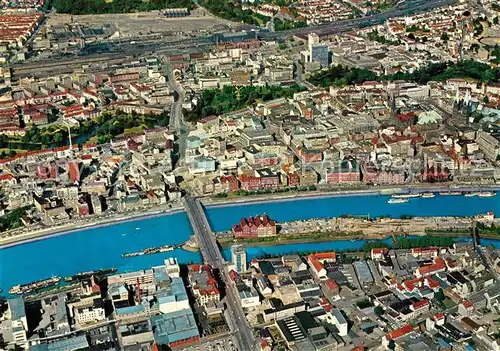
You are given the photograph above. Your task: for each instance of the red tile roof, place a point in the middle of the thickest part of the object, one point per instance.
(396, 334)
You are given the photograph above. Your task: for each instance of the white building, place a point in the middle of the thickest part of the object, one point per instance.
(89, 314)
(13, 329)
(172, 266)
(239, 258)
(174, 298)
(340, 322)
(249, 298)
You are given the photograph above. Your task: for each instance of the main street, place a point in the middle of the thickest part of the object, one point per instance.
(212, 256)
(176, 116)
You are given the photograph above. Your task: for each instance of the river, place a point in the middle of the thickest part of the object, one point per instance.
(102, 247)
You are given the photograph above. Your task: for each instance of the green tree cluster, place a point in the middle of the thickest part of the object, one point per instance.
(221, 101)
(12, 219)
(81, 7)
(378, 311)
(443, 71)
(341, 76)
(375, 36)
(233, 12)
(485, 229)
(112, 125)
(105, 127)
(407, 243)
(495, 53)
(283, 24)
(367, 247)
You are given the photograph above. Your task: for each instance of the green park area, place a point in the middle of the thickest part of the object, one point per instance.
(12, 220)
(230, 98)
(342, 76)
(102, 129)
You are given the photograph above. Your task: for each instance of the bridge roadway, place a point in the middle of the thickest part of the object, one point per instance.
(212, 256)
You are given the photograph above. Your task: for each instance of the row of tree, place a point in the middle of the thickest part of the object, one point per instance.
(80, 7)
(424, 241)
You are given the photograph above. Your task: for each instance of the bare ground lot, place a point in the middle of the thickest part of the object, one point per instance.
(131, 24)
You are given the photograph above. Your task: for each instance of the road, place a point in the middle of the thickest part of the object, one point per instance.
(212, 256)
(176, 117)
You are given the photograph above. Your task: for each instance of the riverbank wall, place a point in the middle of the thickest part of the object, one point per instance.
(55, 231)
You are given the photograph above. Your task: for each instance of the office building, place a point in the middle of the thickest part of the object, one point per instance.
(239, 258)
(320, 53)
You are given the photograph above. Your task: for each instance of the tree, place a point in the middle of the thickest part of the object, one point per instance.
(440, 296)
(392, 345)
(445, 36)
(495, 20)
(486, 99)
(378, 311)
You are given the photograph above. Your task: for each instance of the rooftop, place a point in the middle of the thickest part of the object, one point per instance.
(173, 327)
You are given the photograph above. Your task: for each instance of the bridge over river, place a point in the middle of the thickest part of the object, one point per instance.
(212, 256)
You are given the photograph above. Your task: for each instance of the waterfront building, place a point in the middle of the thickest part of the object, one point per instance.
(87, 309)
(255, 227)
(14, 327)
(239, 258)
(308, 177)
(346, 172)
(379, 253)
(143, 279)
(54, 319)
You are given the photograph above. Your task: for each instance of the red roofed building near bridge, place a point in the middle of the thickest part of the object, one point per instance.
(255, 227)
(203, 284)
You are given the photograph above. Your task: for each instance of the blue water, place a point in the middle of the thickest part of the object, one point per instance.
(102, 247)
(224, 217)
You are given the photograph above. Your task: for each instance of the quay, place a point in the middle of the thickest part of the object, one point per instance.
(212, 256)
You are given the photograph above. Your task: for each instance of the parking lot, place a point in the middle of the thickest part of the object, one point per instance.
(226, 343)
